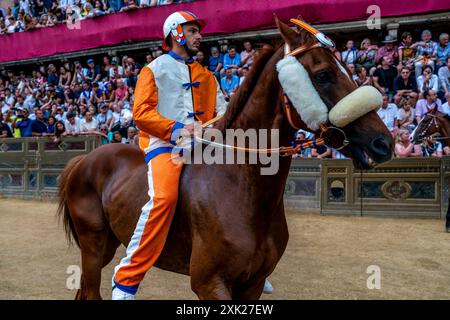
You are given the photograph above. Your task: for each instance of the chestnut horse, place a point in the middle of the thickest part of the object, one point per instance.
(229, 230)
(434, 122)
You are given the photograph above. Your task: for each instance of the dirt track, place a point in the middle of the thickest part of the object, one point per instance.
(326, 258)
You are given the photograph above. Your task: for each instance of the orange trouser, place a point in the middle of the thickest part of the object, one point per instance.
(153, 225)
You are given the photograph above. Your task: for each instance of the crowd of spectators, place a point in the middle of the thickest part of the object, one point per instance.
(97, 98)
(414, 79)
(26, 15)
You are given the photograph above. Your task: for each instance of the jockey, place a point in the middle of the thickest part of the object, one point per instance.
(171, 93)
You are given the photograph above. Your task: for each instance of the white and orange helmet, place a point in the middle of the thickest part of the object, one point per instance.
(173, 26)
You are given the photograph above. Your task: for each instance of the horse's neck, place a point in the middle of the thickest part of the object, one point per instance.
(263, 108)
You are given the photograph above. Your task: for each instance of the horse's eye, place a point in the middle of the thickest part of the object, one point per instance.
(322, 77)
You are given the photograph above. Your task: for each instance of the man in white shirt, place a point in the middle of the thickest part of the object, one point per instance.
(88, 124)
(388, 114)
(72, 124)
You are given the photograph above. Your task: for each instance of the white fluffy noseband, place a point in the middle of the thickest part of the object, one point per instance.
(297, 85)
(355, 105)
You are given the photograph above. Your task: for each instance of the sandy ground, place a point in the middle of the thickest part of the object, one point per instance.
(326, 258)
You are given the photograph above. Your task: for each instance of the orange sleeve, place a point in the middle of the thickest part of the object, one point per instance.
(145, 114)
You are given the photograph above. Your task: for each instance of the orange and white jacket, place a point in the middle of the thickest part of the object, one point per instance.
(170, 94)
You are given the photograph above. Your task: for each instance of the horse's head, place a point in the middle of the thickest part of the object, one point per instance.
(324, 94)
(431, 124)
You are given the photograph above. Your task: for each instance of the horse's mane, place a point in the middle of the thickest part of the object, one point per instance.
(239, 100)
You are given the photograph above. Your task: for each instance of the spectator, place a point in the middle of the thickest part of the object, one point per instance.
(24, 6)
(117, 138)
(248, 55)
(442, 51)
(427, 104)
(5, 131)
(405, 115)
(367, 56)
(129, 5)
(304, 153)
(23, 123)
(389, 50)
(444, 79)
(93, 72)
(362, 78)
(79, 73)
(232, 60)
(105, 115)
(21, 104)
(321, 152)
(52, 77)
(96, 95)
(405, 85)
(72, 124)
(336, 53)
(51, 121)
(106, 66)
(144, 3)
(431, 148)
(352, 69)
(64, 77)
(109, 94)
(215, 62)
(60, 131)
(115, 5)
(244, 74)
(229, 84)
(99, 8)
(406, 51)
(148, 59)
(428, 80)
(88, 124)
(388, 114)
(383, 78)
(132, 136)
(403, 146)
(426, 53)
(85, 96)
(121, 91)
(200, 58)
(350, 54)
(88, 11)
(115, 68)
(104, 134)
(38, 126)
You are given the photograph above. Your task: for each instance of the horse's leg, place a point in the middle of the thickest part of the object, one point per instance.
(209, 288)
(93, 246)
(110, 250)
(251, 291)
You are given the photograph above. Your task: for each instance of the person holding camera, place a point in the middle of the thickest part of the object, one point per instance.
(405, 86)
(350, 54)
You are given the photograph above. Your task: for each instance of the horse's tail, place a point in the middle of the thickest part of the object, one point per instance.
(63, 210)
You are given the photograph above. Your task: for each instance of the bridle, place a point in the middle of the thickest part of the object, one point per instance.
(434, 122)
(325, 130)
(323, 41)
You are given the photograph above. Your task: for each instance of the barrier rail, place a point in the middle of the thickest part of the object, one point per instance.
(30, 167)
(411, 187)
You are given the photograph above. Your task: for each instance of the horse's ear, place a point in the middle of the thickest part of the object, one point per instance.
(289, 36)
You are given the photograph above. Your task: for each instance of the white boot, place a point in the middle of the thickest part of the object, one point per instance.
(268, 289)
(118, 294)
